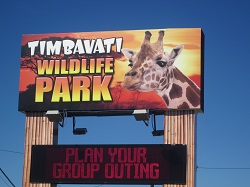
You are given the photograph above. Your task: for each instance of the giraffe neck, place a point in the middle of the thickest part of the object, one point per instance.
(181, 92)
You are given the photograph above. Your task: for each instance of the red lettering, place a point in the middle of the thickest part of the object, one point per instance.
(85, 171)
(132, 155)
(112, 152)
(124, 163)
(141, 155)
(66, 171)
(128, 168)
(144, 170)
(140, 171)
(128, 155)
(69, 153)
(122, 155)
(119, 171)
(76, 171)
(94, 168)
(77, 156)
(98, 155)
(136, 176)
(109, 171)
(57, 172)
(154, 171)
(88, 155)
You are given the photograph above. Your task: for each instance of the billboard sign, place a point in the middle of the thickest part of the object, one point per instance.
(118, 70)
(109, 164)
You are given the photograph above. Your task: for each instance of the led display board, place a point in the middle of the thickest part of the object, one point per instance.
(109, 164)
(116, 70)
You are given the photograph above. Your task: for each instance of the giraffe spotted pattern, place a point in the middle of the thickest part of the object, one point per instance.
(153, 69)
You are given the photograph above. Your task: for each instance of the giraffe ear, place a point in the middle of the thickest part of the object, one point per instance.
(174, 54)
(128, 53)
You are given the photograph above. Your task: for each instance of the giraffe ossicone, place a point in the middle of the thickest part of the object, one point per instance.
(153, 69)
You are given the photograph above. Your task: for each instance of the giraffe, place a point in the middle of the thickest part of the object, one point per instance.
(152, 69)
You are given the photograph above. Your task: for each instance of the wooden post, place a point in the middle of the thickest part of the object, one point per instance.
(38, 131)
(180, 128)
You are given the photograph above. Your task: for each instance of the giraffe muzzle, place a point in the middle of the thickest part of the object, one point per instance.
(131, 73)
(132, 80)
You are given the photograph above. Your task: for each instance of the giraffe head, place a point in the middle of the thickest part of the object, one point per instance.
(151, 66)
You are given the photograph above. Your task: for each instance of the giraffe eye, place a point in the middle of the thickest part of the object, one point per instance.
(161, 63)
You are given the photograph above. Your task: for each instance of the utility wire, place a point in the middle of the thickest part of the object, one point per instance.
(4, 181)
(3, 150)
(7, 177)
(224, 168)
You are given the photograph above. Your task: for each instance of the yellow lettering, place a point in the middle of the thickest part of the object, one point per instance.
(43, 85)
(81, 88)
(61, 90)
(101, 88)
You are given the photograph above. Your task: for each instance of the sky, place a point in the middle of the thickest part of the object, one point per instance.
(222, 130)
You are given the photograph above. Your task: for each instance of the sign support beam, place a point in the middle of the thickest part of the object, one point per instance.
(38, 131)
(180, 128)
